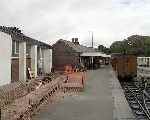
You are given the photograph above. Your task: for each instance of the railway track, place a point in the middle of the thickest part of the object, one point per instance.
(138, 99)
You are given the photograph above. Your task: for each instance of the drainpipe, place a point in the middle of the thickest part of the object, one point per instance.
(92, 63)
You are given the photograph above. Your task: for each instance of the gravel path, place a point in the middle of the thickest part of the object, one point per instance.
(95, 103)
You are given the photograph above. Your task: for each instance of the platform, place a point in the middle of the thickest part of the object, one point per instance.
(121, 110)
(102, 99)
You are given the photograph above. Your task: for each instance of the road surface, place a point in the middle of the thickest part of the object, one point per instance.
(95, 103)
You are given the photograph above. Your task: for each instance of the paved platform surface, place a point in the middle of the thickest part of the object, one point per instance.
(99, 101)
(121, 110)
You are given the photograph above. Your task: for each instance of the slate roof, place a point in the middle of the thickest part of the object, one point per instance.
(17, 35)
(77, 47)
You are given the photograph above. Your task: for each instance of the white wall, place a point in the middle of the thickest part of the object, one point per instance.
(34, 59)
(5, 58)
(47, 60)
(22, 61)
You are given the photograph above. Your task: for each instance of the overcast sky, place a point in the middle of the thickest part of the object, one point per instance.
(50, 20)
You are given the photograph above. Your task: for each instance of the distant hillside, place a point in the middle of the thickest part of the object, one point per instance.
(135, 44)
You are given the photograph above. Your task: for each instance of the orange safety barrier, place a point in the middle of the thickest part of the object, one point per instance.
(68, 69)
(76, 77)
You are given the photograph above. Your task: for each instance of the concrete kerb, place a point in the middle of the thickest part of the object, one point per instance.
(121, 109)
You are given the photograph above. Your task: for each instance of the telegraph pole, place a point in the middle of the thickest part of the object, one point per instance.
(92, 39)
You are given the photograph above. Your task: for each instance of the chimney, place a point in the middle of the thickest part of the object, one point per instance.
(76, 41)
(73, 40)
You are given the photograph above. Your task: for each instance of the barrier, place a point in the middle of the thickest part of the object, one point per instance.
(24, 107)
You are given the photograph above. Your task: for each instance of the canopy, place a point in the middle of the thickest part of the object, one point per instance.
(94, 54)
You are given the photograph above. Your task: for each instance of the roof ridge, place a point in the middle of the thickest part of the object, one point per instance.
(14, 31)
(78, 47)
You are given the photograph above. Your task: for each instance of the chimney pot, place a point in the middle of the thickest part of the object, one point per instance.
(73, 40)
(76, 41)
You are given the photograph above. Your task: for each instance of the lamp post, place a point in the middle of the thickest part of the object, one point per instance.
(92, 39)
(92, 58)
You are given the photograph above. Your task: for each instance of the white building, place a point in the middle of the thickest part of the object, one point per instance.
(19, 52)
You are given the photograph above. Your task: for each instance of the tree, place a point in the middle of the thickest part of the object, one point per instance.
(103, 49)
(135, 44)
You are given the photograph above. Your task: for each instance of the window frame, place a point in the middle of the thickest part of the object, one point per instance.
(15, 45)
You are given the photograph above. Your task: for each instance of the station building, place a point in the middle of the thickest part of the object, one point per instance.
(18, 53)
(72, 53)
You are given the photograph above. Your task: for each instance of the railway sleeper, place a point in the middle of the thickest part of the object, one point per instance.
(130, 96)
(148, 107)
(127, 91)
(134, 90)
(134, 106)
(130, 85)
(141, 117)
(139, 112)
(133, 87)
(130, 99)
(147, 100)
(140, 99)
(133, 102)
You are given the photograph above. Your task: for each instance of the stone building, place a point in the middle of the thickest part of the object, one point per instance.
(19, 52)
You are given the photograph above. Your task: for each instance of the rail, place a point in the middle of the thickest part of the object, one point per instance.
(132, 91)
(143, 107)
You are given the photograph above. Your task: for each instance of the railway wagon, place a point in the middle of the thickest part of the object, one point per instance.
(143, 67)
(143, 61)
(125, 66)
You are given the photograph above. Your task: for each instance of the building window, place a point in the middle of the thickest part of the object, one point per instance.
(28, 49)
(15, 48)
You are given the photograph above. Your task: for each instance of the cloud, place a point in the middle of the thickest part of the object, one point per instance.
(50, 20)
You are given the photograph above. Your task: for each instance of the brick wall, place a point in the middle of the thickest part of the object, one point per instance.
(15, 68)
(64, 55)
